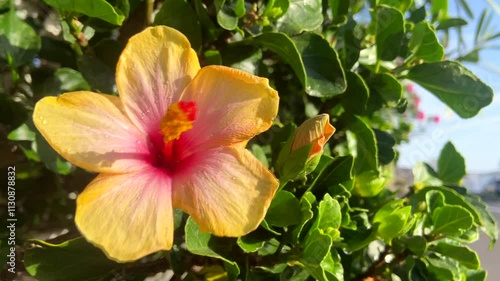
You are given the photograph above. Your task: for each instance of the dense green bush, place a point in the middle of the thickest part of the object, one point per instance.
(335, 217)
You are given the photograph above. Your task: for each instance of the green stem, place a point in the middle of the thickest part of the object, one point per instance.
(377, 66)
(149, 12)
(77, 34)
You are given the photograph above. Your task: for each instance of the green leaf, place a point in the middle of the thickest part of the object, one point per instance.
(108, 51)
(51, 158)
(442, 269)
(316, 249)
(270, 247)
(467, 8)
(292, 165)
(283, 46)
(210, 31)
(390, 31)
(472, 56)
(356, 95)
(385, 147)
(180, 15)
(64, 80)
(453, 84)
(19, 43)
(340, 11)
(451, 220)
(451, 164)
(393, 217)
(260, 154)
(293, 273)
(474, 275)
(306, 203)
(360, 238)
(451, 22)
(204, 244)
(246, 58)
(451, 197)
(74, 259)
(212, 57)
(351, 47)
(284, 210)
(276, 8)
(253, 241)
(416, 244)
(424, 43)
(268, 228)
(325, 76)
(100, 9)
(387, 87)
(312, 59)
(418, 15)
(22, 133)
(302, 15)
(463, 254)
(439, 9)
(487, 219)
(424, 175)
(401, 5)
(339, 171)
(366, 146)
(100, 77)
(228, 12)
(434, 199)
(329, 217)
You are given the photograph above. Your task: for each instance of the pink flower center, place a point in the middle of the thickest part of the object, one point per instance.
(178, 119)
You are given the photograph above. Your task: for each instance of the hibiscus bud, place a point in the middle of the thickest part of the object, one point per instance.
(302, 152)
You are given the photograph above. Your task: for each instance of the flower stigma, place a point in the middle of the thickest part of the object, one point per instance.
(178, 119)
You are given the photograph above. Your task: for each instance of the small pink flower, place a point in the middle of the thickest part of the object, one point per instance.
(416, 100)
(420, 116)
(409, 87)
(436, 119)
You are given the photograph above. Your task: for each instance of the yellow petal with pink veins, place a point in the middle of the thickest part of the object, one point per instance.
(128, 216)
(91, 131)
(233, 106)
(153, 70)
(226, 190)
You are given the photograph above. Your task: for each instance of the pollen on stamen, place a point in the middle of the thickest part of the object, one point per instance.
(178, 119)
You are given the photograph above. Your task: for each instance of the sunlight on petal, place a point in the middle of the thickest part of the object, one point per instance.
(91, 131)
(153, 70)
(227, 191)
(128, 216)
(233, 106)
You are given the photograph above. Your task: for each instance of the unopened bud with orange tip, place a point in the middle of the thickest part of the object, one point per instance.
(302, 151)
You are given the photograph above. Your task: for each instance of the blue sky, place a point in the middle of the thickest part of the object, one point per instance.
(478, 138)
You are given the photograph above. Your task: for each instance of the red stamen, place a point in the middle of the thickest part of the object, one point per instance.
(189, 108)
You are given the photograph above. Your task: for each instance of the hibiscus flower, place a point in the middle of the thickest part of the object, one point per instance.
(174, 138)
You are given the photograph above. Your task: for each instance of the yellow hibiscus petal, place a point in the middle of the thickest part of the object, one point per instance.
(153, 70)
(226, 190)
(129, 215)
(316, 131)
(91, 131)
(233, 106)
